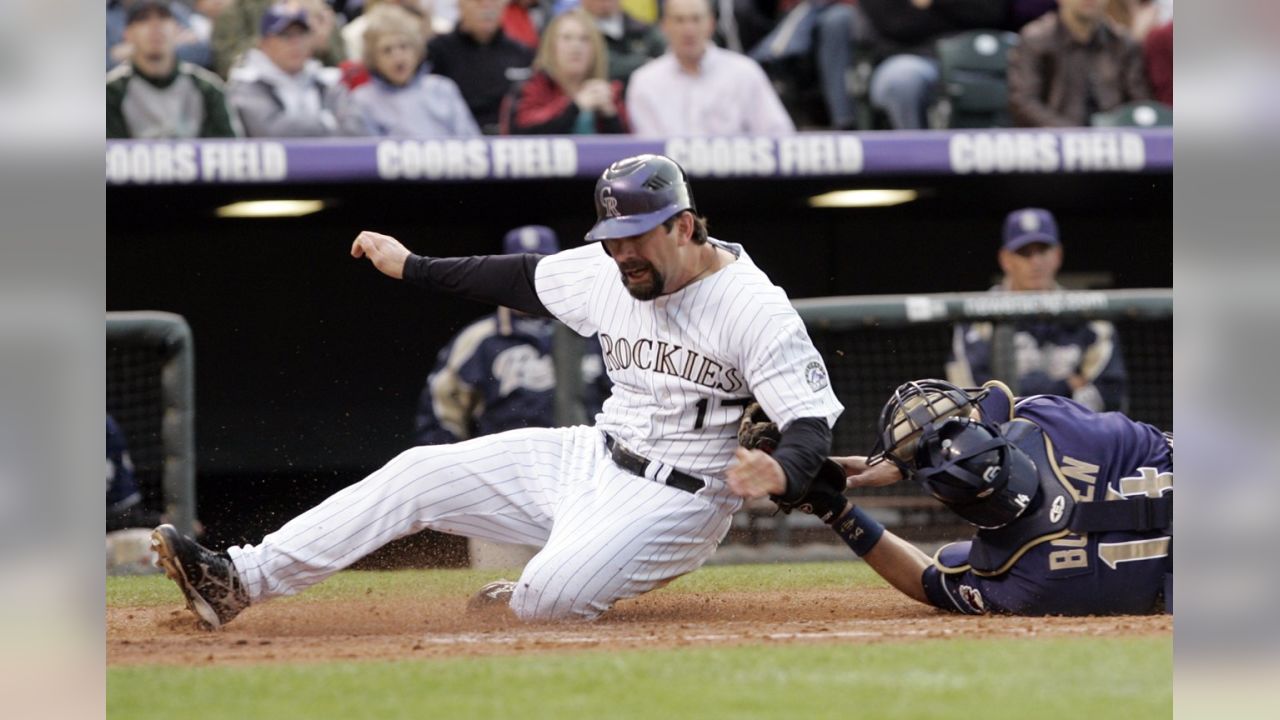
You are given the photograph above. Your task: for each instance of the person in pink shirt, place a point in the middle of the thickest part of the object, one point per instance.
(696, 88)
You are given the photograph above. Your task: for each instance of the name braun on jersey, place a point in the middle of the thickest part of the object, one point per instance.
(668, 359)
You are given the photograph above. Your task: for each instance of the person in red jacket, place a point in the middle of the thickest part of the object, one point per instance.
(1158, 50)
(568, 93)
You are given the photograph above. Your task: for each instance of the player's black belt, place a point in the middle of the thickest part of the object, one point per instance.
(639, 465)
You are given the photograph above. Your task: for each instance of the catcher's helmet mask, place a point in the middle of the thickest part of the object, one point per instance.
(914, 406)
(637, 194)
(975, 471)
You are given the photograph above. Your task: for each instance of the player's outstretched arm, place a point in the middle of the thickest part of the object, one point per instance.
(386, 253)
(861, 475)
(494, 279)
(899, 562)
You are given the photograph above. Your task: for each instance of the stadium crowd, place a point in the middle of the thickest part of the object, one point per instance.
(462, 68)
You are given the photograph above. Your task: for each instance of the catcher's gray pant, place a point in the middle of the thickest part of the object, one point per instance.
(605, 533)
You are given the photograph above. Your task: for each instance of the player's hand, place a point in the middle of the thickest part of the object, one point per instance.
(858, 474)
(755, 475)
(386, 252)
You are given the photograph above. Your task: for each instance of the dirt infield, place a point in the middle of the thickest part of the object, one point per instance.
(387, 629)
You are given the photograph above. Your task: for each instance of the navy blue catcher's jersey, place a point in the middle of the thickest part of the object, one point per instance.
(1094, 457)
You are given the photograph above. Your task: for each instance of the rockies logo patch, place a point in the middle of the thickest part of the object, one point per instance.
(815, 375)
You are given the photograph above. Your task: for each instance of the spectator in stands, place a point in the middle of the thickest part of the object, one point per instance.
(236, 29)
(523, 20)
(1150, 24)
(630, 43)
(444, 16)
(402, 100)
(326, 33)
(568, 93)
(824, 33)
(204, 13)
(191, 47)
(906, 81)
(279, 90)
(497, 373)
(154, 94)
(1158, 52)
(353, 32)
(1079, 360)
(1136, 18)
(696, 88)
(1071, 64)
(481, 59)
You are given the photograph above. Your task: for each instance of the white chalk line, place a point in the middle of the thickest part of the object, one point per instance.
(551, 638)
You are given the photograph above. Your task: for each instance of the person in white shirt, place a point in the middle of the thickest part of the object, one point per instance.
(697, 88)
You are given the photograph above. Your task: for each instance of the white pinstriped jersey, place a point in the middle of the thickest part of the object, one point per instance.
(684, 365)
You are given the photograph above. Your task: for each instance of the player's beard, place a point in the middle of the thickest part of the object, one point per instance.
(643, 289)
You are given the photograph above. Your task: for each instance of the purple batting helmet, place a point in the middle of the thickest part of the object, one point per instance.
(637, 194)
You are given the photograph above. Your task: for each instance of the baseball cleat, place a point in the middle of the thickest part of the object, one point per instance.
(207, 579)
(492, 595)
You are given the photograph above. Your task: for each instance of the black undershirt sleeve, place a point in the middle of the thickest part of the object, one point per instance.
(804, 445)
(505, 280)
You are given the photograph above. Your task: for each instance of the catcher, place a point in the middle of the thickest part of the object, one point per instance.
(1074, 508)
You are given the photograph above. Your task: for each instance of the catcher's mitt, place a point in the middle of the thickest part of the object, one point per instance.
(757, 431)
(821, 495)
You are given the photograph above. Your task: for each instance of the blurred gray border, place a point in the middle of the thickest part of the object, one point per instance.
(1227, 637)
(52, 290)
(52, 282)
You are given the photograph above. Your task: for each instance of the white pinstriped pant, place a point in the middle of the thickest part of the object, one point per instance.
(605, 534)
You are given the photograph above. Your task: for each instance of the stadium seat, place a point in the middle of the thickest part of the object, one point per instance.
(973, 92)
(1147, 113)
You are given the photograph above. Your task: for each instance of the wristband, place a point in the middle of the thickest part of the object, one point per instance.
(859, 530)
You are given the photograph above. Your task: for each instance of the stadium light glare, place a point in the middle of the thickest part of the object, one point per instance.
(862, 198)
(270, 208)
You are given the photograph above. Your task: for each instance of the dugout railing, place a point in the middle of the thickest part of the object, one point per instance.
(871, 344)
(151, 394)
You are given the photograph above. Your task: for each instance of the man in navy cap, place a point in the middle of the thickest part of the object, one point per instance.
(1079, 360)
(497, 373)
(279, 90)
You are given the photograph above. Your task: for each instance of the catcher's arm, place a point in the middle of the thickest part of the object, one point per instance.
(899, 562)
(862, 475)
